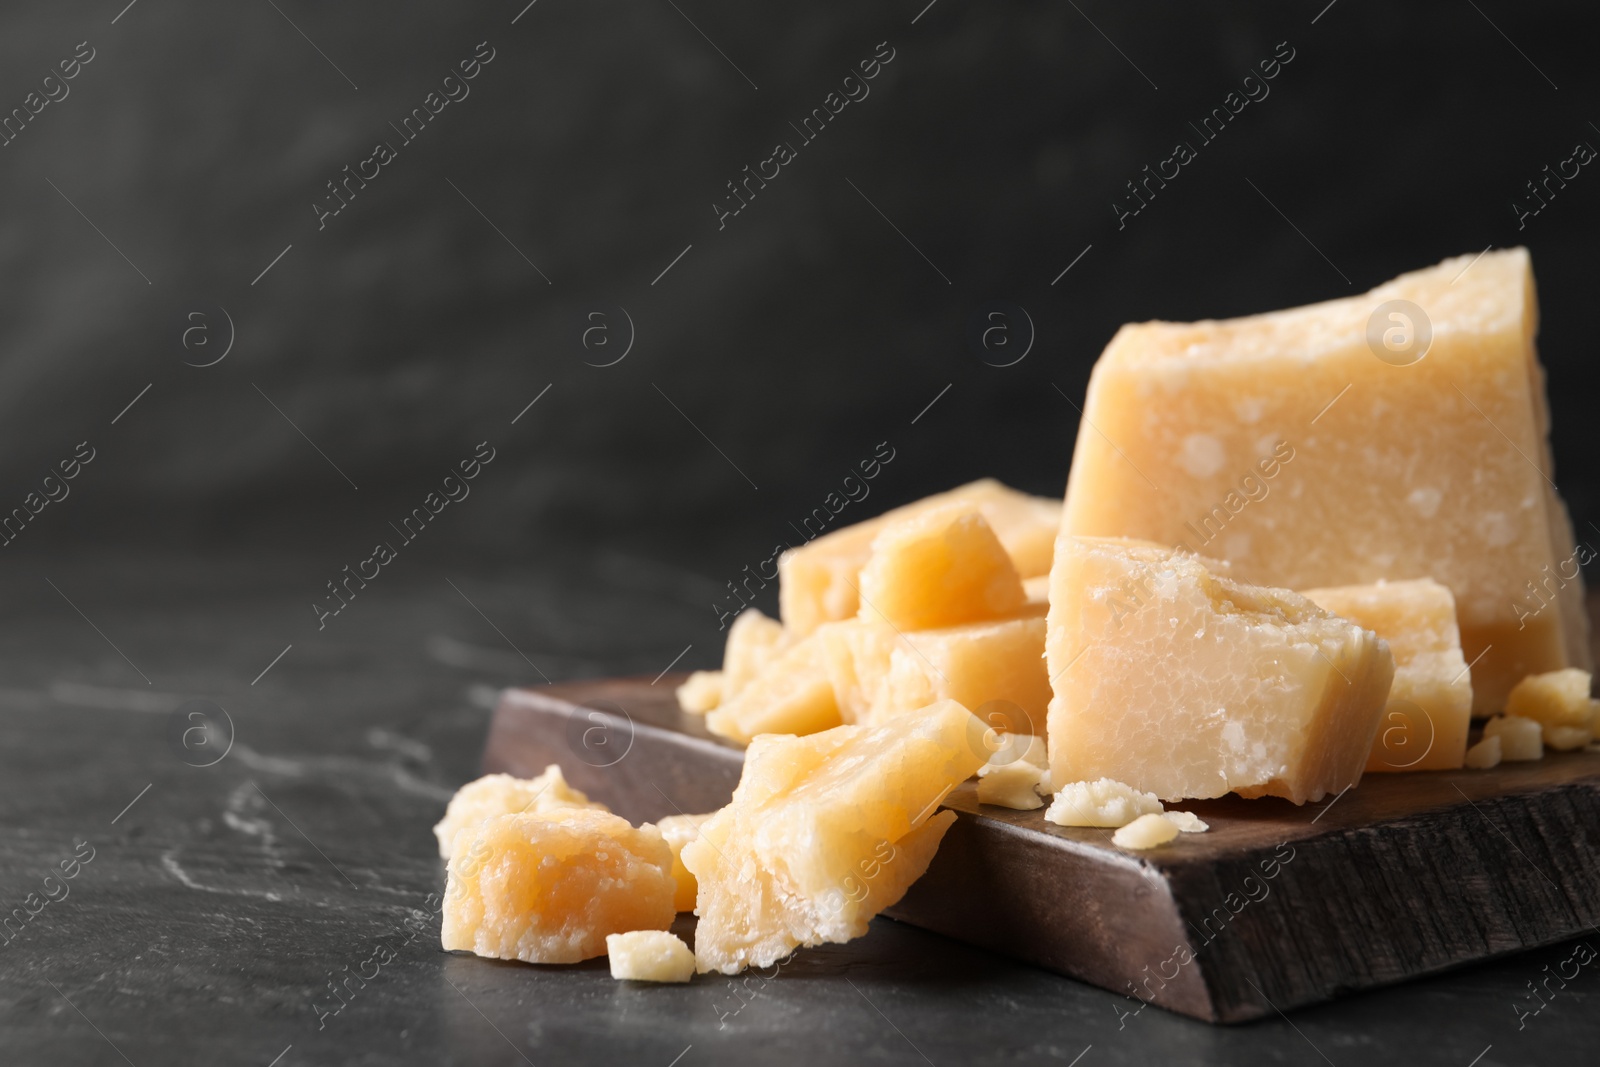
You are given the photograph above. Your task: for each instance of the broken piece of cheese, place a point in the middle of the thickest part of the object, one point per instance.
(1429, 713)
(824, 832)
(549, 887)
(504, 794)
(818, 580)
(996, 669)
(1282, 443)
(677, 831)
(649, 956)
(941, 567)
(1184, 683)
(791, 696)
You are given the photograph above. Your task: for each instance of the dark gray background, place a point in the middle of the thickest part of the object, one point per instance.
(795, 340)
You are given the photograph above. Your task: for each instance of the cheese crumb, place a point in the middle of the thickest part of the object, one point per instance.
(1015, 785)
(1484, 754)
(1520, 739)
(1554, 698)
(649, 956)
(1147, 831)
(701, 693)
(1103, 802)
(1188, 822)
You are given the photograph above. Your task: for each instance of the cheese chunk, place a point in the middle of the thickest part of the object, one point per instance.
(754, 641)
(824, 832)
(1104, 802)
(700, 692)
(1015, 785)
(503, 794)
(941, 567)
(1283, 443)
(1485, 754)
(649, 956)
(1185, 683)
(818, 581)
(549, 887)
(679, 830)
(994, 668)
(1557, 698)
(1425, 722)
(1187, 822)
(791, 696)
(1566, 738)
(1520, 739)
(1147, 831)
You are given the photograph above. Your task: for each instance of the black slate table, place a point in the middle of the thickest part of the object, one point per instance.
(218, 901)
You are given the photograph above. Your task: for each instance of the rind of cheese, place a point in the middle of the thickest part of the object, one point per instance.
(1184, 683)
(1283, 443)
(649, 956)
(791, 696)
(504, 794)
(679, 830)
(700, 692)
(824, 832)
(1014, 785)
(1485, 754)
(549, 887)
(1555, 698)
(1520, 739)
(1429, 713)
(818, 581)
(1103, 802)
(995, 668)
(1147, 831)
(941, 567)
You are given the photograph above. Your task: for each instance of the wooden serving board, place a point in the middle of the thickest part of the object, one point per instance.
(1276, 906)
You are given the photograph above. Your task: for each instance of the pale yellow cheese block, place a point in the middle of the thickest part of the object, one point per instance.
(505, 794)
(1184, 683)
(823, 833)
(1281, 442)
(549, 887)
(818, 580)
(1429, 713)
(792, 695)
(995, 669)
(942, 567)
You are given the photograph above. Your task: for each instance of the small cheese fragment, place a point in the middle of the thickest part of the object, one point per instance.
(824, 832)
(549, 887)
(1185, 683)
(1187, 822)
(1295, 445)
(504, 794)
(1485, 754)
(1425, 723)
(1014, 785)
(700, 692)
(1520, 739)
(1566, 738)
(1147, 831)
(994, 668)
(754, 641)
(791, 696)
(818, 581)
(649, 956)
(679, 830)
(941, 567)
(1555, 698)
(1103, 802)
